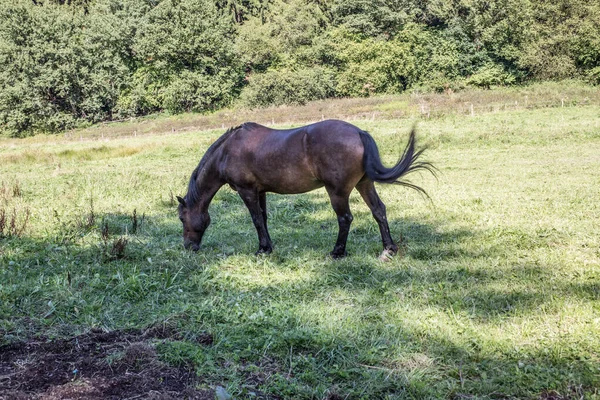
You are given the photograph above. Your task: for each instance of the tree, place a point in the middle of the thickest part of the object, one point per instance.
(186, 60)
(56, 67)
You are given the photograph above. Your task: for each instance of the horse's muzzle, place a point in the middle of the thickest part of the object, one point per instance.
(189, 245)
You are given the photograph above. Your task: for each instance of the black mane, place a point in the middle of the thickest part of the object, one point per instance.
(193, 191)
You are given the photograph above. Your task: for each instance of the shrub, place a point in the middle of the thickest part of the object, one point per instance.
(144, 93)
(63, 65)
(490, 75)
(56, 68)
(195, 91)
(594, 76)
(288, 86)
(187, 60)
(376, 66)
(256, 45)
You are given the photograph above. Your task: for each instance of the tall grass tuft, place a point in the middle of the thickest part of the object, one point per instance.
(8, 191)
(134, 221)
(118, 248)
(15, 225)
(91, 217)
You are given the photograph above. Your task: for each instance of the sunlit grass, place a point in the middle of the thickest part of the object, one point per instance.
(495, 293)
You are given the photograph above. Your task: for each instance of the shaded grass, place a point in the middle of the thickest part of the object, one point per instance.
(496, 294)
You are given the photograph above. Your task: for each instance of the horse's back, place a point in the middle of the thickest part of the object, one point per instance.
(296, 160)
(326, 138)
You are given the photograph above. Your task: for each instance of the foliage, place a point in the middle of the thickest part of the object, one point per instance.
(67, 63)
(288, 86)
(61, 66)
(594, 76)
(375, 66)
(56, 67)
(281, 35)
(241, 10)
(188, 63)
(565, 38)
(490, 75)
(257, 46)
(370, 18)
(295, 22)
(438, 56)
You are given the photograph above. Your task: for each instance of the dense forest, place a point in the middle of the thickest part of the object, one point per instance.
(64, 63)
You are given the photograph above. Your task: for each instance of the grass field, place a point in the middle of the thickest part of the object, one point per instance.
(496, 293)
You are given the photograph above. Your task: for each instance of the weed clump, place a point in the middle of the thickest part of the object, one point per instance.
(118, 248)
(13, 224)
(8, 191)
(91, 217)
(136, 222)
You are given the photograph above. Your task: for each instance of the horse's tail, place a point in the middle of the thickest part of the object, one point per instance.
(408, 162)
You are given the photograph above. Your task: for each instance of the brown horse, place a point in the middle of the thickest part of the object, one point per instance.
(254, 160)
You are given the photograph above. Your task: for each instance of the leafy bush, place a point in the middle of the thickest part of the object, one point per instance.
(56, 68)
(279, 36)
(143, 94)
(195, 91)
(187, 59)
(63, 65)
(288, 87)
(368, 18)
(375, 66)
(67, 63)
(490, 75)
(594, 76)
(256, 45)
(437, 57)
(564, 40)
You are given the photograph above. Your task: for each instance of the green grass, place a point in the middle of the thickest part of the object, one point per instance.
(496, 294)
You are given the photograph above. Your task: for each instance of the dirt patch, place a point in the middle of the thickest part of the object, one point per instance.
(97, 365)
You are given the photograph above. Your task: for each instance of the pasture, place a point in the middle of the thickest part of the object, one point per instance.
(496, 292)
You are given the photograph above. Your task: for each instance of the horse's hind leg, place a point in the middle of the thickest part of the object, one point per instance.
(341, 206)
(253, 201)
(366, 188)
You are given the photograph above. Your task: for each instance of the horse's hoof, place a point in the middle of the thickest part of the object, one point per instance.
(265, 251)
(338, 256)
(387, 255)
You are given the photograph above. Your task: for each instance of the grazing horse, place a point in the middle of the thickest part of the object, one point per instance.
(254, 160)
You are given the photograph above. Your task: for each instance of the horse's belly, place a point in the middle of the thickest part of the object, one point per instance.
(291, 185)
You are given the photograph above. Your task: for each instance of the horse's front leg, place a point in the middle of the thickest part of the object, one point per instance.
(253, 201)
(262, 199)
(341, 206)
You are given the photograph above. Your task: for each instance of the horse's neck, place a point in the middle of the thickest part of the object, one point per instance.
(207, 184)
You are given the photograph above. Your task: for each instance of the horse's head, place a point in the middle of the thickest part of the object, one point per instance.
(194, 225)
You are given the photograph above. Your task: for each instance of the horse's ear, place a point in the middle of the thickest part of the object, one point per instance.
(181, 201)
